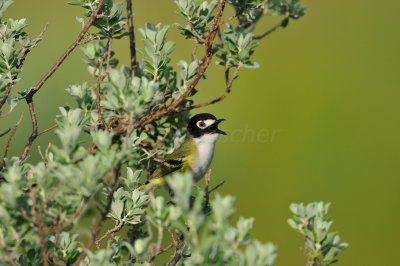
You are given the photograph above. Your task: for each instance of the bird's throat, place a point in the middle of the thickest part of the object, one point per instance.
(204, 154)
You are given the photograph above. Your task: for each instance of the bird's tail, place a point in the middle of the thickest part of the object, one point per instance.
(156, 182)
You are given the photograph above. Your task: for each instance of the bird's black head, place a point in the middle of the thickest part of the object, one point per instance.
(202, 124)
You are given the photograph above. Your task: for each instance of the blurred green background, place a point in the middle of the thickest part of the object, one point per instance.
(319, 120)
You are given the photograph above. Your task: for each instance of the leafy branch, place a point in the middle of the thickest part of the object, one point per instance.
(129, 118)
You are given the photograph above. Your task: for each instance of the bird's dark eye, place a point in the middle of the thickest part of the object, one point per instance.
(201, 124)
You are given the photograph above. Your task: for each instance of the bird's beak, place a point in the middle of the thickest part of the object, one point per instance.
(219, 131)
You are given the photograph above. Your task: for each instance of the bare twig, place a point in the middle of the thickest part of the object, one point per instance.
(161, 251)
(41, 154)
(109, 51)
(171, 245)
(10, 138)
(113, 121)
(178, 254)
(207, 179)
(132, 41)
(34, 134)
(6, 94)
(202, 69)
(273, 29)
(229, 83)
(172, 237)
(69, 50)
(113, 230)
(194, 53)
(216, 187)
(100, 78)
(25, 52)
(5, 132)
(39, 226)
(159, 238)
(229, 19)
(48, 129)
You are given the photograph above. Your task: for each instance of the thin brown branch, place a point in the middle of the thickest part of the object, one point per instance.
(39, 226)
(10, 138)
(228, 89)
(163, 250)
(48, 129)
(116, 228)
(273, 29)
(34, 134)
(100, 78)
(132, 41)
(25, 52)
(229, 19)
(178, 254)
(194, 53)
(108, 60)
(41, 154)
(113, 121)
(103, 217)
(171, 245)
(61, 225)
(202, 69)
(69, 50)
(159, 238)
(98, 106)
(6, 94)
(207, 179)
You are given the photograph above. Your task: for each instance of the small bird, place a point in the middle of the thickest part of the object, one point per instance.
(194, 155)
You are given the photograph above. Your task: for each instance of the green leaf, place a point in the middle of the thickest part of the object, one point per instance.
(4, 4)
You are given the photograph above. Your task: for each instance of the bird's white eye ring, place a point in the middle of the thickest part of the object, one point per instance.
(201, 124)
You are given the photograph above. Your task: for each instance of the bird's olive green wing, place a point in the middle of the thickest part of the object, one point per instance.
(176, 161)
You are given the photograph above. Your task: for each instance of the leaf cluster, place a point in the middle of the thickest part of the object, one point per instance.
(312, 221)
(15, 44)
(198, 15)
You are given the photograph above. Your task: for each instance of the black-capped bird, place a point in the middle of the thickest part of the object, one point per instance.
(194, 155)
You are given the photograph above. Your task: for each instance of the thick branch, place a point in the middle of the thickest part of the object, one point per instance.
(202, 69)
(273, 29)
(69, 50)
(34, 134)
(132, 42)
